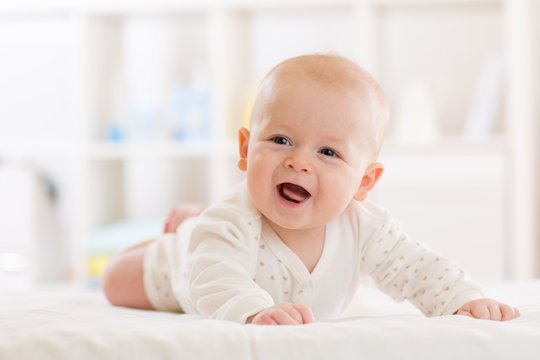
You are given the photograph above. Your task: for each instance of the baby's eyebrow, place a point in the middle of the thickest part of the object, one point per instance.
(333, 139)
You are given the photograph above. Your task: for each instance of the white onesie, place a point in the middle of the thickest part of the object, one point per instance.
(229, 264)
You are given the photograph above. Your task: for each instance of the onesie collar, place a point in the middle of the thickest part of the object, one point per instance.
(284, 254)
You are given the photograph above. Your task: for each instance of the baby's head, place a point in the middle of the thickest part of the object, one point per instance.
(316, 129)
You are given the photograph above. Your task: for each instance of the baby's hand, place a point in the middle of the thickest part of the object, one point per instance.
(488, 309)
(181, 213)
(283, 314)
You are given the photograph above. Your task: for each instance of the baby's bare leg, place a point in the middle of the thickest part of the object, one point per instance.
(123, 279)
(181, 212)
(123, 282)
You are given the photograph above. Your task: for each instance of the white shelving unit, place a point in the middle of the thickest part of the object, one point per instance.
(117, 64)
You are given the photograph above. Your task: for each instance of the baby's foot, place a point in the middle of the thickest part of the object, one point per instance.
(180, 213)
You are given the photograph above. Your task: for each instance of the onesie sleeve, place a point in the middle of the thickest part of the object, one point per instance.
(216, 280)
(409, 270)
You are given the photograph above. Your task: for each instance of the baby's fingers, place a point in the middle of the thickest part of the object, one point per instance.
(283, 314)
(474, 310)
(286, 317)
(264, 319)
(306, 313)
(509, 312)
(488, 309)
(463, 312)
(494, 312)
(480, 312)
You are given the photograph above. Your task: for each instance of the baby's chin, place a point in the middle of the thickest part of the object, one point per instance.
(278, 223)
(296, 225)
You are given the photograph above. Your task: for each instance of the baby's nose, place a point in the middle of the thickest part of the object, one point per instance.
(298, 162)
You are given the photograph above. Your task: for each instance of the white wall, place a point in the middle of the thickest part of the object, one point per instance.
(451, 190)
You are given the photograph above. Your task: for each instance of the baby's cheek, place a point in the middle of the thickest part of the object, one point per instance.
(345, 187)
(337, 196)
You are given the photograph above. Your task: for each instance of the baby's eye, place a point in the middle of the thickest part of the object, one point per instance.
(328, 152)
(281, 140)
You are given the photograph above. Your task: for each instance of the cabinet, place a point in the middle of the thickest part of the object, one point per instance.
(130, 107)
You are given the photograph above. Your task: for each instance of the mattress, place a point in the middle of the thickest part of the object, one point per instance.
(83, 325)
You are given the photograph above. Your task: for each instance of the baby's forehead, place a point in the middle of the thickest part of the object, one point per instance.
(345, 85)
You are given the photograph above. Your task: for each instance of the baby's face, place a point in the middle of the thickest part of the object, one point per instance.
(307, 154)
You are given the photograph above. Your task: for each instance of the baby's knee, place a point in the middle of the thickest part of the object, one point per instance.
(180, 213)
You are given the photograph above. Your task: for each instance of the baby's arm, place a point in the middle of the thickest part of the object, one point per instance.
(488, 309)
(216, 275)
(283, 314)
(406, 269)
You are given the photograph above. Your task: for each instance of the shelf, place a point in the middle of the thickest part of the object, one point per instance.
(119, 7)
(123, 7)
(18, 151)
(142, 7)
(432, 2)
(447, 145)
(122, 151)
(119, 151)
(35, 6)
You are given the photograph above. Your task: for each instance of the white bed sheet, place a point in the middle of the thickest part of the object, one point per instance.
(78, 325)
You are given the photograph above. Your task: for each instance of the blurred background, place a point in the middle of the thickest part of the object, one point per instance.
(112, 112)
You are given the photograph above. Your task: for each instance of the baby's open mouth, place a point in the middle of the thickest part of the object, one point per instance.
(293, 193)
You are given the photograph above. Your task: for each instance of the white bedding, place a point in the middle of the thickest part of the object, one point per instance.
(77, 325)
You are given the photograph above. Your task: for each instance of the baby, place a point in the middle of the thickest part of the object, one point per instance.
(292, 242)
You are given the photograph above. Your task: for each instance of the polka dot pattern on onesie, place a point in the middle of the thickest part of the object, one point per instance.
(407, 270)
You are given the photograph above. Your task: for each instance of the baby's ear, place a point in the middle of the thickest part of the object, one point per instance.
(243, 141)
(371, 176)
